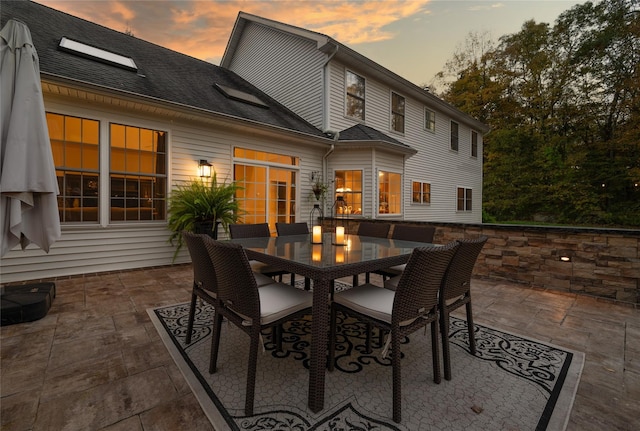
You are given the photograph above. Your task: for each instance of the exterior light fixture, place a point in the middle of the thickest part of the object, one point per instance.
(204, 169)
(565, 258)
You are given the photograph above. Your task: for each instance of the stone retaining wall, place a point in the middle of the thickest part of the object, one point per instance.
(598, 262)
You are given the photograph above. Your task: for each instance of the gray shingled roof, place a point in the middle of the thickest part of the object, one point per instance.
(162, 74)
(360, 132)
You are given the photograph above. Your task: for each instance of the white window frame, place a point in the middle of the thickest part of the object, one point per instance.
(393, 113)
(429, 120)
(457, 136)
(474, 144)
(399, 195)
(421, 201)
(347, 95)
(467, 202)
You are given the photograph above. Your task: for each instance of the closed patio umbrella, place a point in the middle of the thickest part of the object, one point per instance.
(28, 185)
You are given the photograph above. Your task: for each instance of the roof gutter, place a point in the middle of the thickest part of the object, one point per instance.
(326, 124)
(325, 167)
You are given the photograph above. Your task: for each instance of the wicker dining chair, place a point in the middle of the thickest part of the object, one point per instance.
(401, 312)
(247, 307)
(378, 230)
(407, 233)
(256, 230)
(299, 228)
(204, 277)
(456, 292)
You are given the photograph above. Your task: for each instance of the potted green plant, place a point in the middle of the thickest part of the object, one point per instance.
(319, 189)
(200, 206)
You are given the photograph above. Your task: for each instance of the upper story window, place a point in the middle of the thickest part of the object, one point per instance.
(429, 120)
(454, 136)
(474, 143)
(138, 173)
(465, 198)
(355, 95)
(75, 143)
(349, 187)
(421, 192)
(397, 112)
(389, 193)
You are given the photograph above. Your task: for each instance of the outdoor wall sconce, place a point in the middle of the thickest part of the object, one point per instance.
(204, 169)
(565, 258)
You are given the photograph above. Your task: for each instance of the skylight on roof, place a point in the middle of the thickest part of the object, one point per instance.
(98, 54)
(241, 96)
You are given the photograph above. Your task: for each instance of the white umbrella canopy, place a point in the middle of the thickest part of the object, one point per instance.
(28, 185)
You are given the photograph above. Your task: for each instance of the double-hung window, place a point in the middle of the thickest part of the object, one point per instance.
(397, 112)
(429, 120)
(138, 173)
(474, 143)
(349, 188)
(75, 143)
(454, 136)
(355, 87)
(421, 192)
(465, 197)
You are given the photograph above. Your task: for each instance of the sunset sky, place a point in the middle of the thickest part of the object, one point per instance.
(412, 38)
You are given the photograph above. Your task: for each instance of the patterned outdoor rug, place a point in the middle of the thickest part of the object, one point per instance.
(513, 383)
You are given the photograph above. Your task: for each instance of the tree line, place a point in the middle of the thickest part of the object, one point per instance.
(563, 103)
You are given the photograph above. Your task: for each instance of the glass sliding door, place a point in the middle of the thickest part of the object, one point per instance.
(268, 192)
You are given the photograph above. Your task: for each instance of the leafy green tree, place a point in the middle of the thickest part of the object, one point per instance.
(563, 102)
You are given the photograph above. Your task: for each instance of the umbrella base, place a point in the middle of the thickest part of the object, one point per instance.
(25, 303)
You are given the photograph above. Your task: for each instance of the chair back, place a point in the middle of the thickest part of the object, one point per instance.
(257, 230)
(378, 230)
(413, 233)
(284, 229)
(204, 275)
(417, 292)
(457, 280)
(237, 287)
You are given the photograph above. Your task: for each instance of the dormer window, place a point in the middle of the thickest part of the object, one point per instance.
(97, 54)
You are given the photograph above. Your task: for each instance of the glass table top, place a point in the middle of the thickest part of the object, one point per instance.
(356, 249)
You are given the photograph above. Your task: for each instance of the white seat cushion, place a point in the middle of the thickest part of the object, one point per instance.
(396, 269)
(368, 299)
(262, 268)
(262, 280)
(392, 283)
(278, 300)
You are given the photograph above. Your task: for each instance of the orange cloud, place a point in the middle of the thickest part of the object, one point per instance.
(201, 29)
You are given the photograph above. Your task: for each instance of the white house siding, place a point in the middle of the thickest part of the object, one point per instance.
(90, 248)
(261, 57)
(434, 163)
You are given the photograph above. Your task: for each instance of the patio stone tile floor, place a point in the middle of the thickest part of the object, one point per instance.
(96, 362)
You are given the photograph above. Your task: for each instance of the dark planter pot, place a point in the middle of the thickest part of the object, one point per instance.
(207, 227)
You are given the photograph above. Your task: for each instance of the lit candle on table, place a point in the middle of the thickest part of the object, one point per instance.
(317, 234)
(339, 234)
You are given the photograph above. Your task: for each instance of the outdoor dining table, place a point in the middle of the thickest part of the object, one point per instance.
(323, 263)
